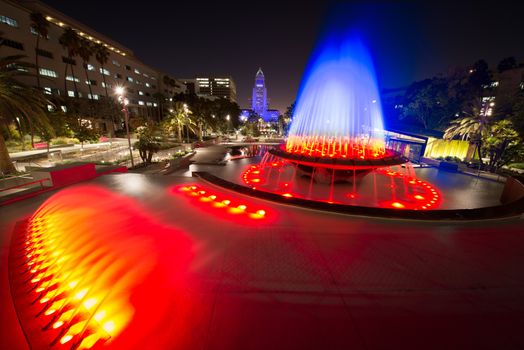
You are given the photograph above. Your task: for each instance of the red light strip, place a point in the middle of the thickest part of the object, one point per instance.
(221, 201)
(335, 147)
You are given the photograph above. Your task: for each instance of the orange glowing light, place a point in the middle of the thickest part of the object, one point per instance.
(261, 212)
(242, 207)
(397, 205)
(288, 195)
(418, 196)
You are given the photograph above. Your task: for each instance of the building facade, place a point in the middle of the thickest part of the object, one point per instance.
(65, 76)
(260, 101)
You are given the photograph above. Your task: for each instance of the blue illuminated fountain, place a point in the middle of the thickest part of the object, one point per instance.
(335, 151)
(338, 106)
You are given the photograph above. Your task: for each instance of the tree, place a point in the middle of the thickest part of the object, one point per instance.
(102, 56)
(178, 117)
(41, 27)
(507, 64)
(501, 137)
(85, 51)
(428, 103)
(474, 126)
(70, 42)
(146, 144)
(18, 100)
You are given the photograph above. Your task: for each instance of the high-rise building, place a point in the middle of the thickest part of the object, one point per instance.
(260, 101)
(213, 87)
(64, 76)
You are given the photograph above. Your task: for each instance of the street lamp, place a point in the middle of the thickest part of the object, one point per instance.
(121, 92)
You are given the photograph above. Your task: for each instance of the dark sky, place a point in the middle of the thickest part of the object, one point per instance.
(408, 41)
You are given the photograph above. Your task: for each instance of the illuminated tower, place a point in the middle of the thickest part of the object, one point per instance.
(259, 100)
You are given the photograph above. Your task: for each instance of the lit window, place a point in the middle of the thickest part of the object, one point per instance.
(9, 21)
(90, 67)
(107, 85)
(141, 103)
(140, 93)
(138, 82)
(71, 78)
(129, 79)
(91, 82)
(70, 93)
(137, 71)
(50, 108)
(115, 62)
(155, 104)
(92, 97)
(48, 73)
(149, 104)
(47, 90)
(64, 109)
(148, 85)
(145, 75)
(104, 71)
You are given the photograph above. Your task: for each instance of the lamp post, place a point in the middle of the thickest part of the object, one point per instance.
(120, 92)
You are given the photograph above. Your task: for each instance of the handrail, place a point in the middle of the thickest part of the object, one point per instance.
(25, 184)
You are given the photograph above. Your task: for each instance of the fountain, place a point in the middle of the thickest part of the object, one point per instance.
(335, 151)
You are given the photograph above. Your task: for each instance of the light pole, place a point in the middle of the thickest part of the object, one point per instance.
(120, 92)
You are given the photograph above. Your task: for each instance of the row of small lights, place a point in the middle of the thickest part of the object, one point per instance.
(220, 201)
(84, 35)
(66, 305)
(431, 198)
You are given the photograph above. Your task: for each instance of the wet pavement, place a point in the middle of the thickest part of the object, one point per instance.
(303, 279)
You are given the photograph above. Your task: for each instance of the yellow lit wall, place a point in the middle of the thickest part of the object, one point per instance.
(443, 148)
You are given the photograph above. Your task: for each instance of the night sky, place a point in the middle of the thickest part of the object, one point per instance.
(408, 41)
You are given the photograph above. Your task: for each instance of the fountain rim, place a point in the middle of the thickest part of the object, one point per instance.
(391, 158)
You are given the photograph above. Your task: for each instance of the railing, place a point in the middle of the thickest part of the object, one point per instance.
(25, 185)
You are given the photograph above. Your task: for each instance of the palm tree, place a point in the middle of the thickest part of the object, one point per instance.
(177, 118)
(160, 99)
(41, 26)
(102, 56)
(85, 51)
(473, 125)
(18, 100)
(70, 42)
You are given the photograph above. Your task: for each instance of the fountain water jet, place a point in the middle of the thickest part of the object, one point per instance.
(336, 151)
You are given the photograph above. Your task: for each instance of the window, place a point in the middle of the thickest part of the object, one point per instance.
(72, 78)
(70, 93)
(64, 109)
(140, 93)
(115, 62)
(148, 85)
(145, 75)
(9, 21)
(13, 44)
(155, 104)
(92, 97)
(34, 32)
(131, 91)
(129, 79)
(137, 71)
(48, 73)
(47, 90)
(118, 76)
(128, 68)
(68, 60)
(107, 85)
(91, 82)
(153, 86)
(148, 94)
(104, 71)
(50, 108)
(90, 67)
(141, 103)
(149, 104)
(44, 53)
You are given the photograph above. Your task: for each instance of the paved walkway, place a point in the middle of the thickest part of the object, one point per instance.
(304, 279)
